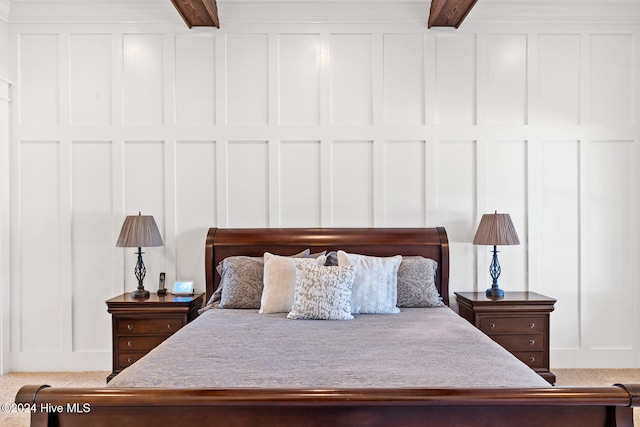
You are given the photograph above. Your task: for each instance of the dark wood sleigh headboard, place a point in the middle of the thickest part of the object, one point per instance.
(427, 242)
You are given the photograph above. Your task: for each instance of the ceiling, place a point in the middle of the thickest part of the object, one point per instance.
(442, 13)
(323, 11)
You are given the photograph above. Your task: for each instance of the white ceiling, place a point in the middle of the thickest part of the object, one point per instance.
(305, 11)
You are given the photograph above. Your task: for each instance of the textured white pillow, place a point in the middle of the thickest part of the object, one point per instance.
(280, 282)
(322, 293)
(375, 285)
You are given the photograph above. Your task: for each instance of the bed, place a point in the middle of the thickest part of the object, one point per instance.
(233, 375)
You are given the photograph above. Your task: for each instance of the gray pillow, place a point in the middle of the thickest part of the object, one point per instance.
(322, 293)
(242, 279)
(243, 290)
(416, 283)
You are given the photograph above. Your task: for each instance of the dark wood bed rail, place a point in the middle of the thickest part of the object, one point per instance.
(553, 406)
(428, 242)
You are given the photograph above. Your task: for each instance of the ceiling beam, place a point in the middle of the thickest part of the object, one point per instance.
(449, 13)
(198, 13)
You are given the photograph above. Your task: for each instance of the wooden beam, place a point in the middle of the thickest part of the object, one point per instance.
(449, 13)
(198, 13)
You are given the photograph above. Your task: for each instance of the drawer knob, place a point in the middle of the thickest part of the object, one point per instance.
(532, 325)
(130, 360)
(532, 342)
(129, 343)
(129, 326)
(169, 326)
(532, 359)
(492, 325)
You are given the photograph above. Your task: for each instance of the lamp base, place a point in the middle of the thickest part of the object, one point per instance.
(140, 293)
(495, 292)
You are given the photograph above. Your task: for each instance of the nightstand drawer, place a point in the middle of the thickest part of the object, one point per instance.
(127, 359)
(167, 325)
(519, 322)
(139, 325)
(520, 342)
(512, 325)
(533, 359)
(140, 343)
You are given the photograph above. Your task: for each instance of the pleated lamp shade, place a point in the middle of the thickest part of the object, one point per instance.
(139, 231)
(496, 229)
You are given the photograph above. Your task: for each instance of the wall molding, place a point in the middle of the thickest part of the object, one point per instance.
(5, 227)
(509, 117)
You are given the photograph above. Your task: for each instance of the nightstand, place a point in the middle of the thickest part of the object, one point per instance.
(139, 325)
(519, 322)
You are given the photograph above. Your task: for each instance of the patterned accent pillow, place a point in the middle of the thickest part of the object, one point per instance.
(280, 282)
(322, 293)
(241, 282)
(375, 285)
(416, 283)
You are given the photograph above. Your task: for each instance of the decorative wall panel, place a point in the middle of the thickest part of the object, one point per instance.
(39, 92)
(454, 207)
(300, 184)
(321, 125)
(92, 242)
(195, 206)
(248, 184)
(611, 78)
(559, 79)
(352, 184)
(143, 79)
(247, 79)
(90, 79)
(144, 188)
(456, 79)
(507, 79)
(507, 193)
(607, 280)
(404, 75)
(39, 245)
(351, 59)
(404, 184)
(195, 79)
(557, 231)
(299, 61)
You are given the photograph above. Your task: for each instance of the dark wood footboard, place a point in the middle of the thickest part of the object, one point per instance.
(557, 406)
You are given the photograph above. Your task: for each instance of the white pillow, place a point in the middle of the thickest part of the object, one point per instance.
(322, 293)
(280, 282)
(375, 285)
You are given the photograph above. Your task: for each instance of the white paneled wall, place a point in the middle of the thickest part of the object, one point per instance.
(323, 125)
(5, 248)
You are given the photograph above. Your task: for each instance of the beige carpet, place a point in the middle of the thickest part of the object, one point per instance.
(11, 383)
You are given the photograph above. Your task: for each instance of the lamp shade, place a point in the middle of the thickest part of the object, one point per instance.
(496, 229)
(139, 231)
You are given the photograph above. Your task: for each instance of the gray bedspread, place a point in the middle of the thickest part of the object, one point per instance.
(420, 347)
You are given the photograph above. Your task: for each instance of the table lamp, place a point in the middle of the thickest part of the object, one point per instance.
(495, 229)
(139, 231)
